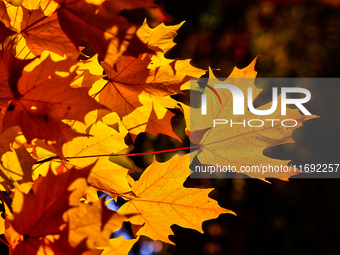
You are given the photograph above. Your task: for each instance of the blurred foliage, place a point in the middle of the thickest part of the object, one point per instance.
(301, 40)
(293, 39)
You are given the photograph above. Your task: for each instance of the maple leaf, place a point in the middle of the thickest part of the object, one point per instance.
(40, 32)
(134, 89)
(241, 146)
(159, 38)
(102, 140)
(75, 228)
(32, 214)
(130, 77)
(161, 200)
(101, 26)
(137, 86)
(139, 73)
(46, 99)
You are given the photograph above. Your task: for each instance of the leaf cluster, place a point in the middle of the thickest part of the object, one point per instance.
(64, 115)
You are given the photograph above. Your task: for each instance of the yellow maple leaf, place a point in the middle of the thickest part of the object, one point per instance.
(242, 146)
(39, 32)
(161, 200)
(159, 38)
(101, 140)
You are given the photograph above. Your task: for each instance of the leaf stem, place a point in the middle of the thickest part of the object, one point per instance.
(137, 154)
(4, 242)
(122, 155)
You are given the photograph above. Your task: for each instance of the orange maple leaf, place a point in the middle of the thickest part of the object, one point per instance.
(44, 33)
(45, 99)
(31, 222)
(137, 85)
(55, 222)
(128, 80)
(130, 76)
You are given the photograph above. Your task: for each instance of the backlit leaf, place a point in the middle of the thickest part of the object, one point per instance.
(161, 200)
